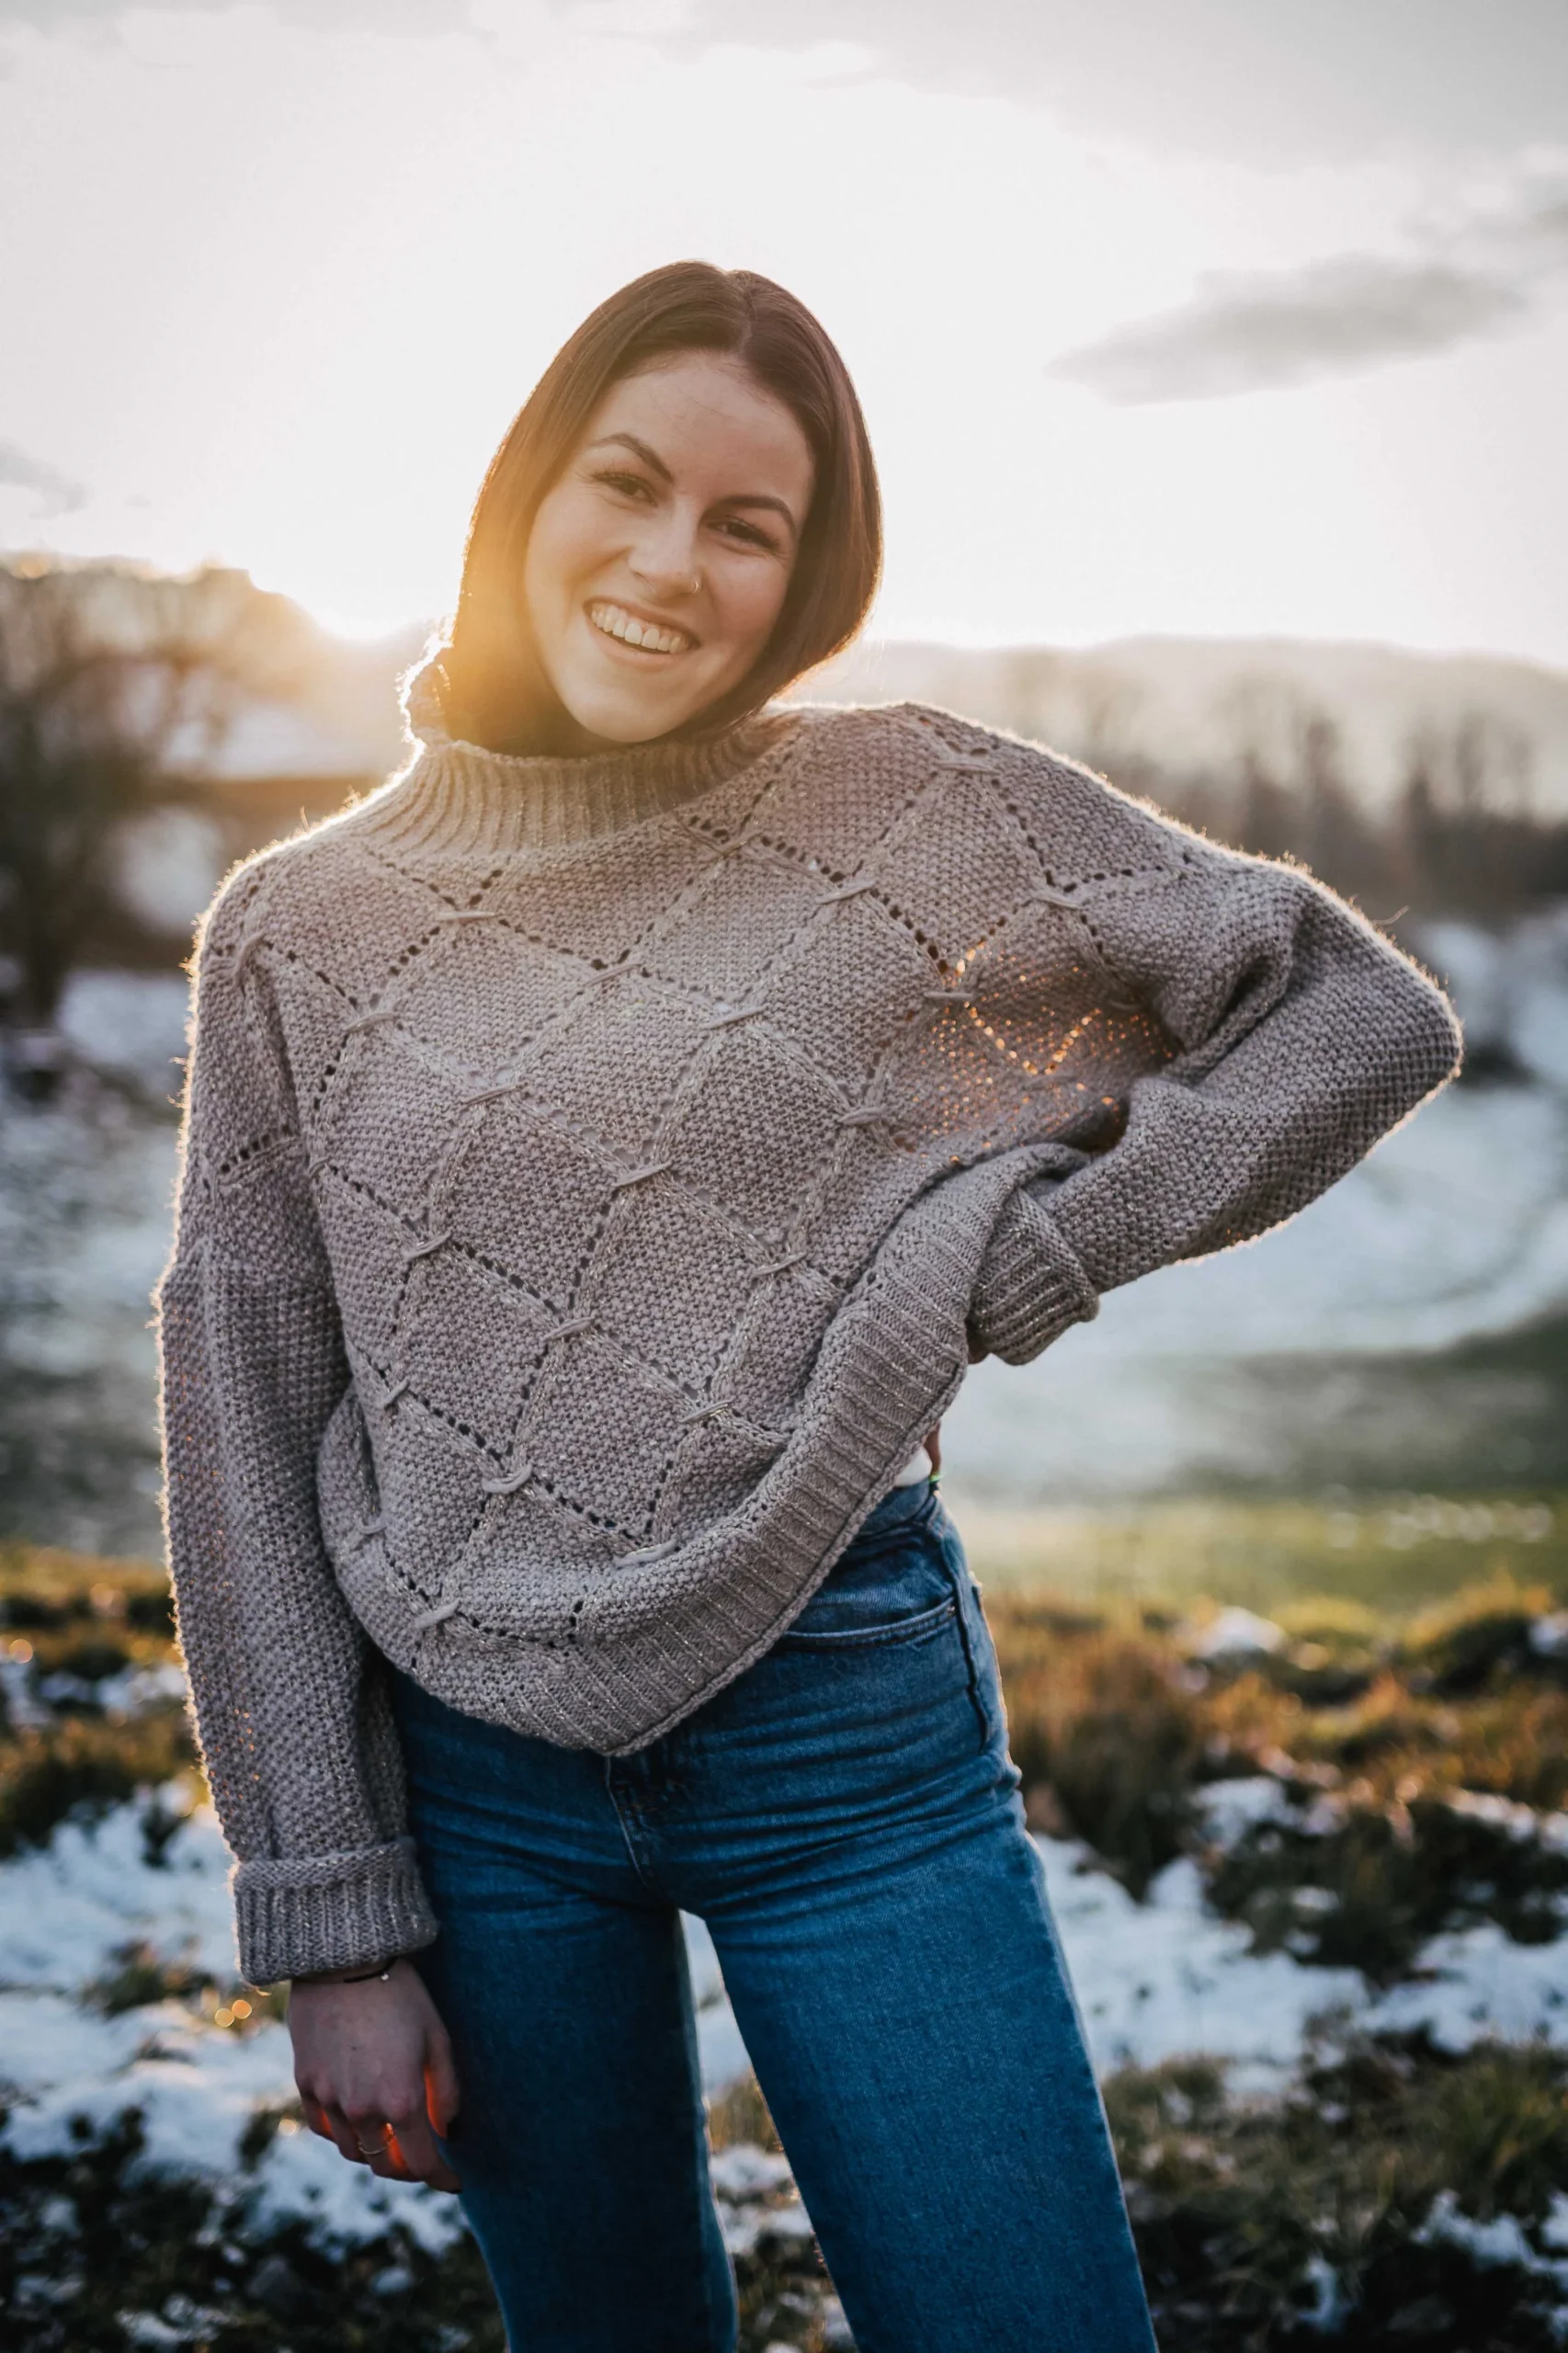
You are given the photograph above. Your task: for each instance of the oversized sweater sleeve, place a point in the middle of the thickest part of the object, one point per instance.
(1300, 1035)
(298, 1747)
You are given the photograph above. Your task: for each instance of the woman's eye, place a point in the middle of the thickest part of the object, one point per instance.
(750, 535)
(627, 485)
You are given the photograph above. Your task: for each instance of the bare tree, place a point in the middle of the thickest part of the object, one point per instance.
(116, 688)
(1467, 835)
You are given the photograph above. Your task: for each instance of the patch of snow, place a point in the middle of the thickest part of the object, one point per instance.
(70, 1904)
(47, 2039)
(1502, 2240)
(1476, 1985)
(1326, 2312)
(132, 1022)
(344, 2205)
(1236, 1633)
(1228, 1809)
(1519, 1822)
(136, 1690)
(22, 1707)
(196, 2085)
(1165, 1977)
(743, 2170)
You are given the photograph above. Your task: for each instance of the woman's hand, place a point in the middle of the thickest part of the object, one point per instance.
(374, 2068)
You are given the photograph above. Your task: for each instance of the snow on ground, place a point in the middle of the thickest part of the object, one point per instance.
(1153, 1979)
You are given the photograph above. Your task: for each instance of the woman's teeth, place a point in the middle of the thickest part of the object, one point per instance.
(614, 620)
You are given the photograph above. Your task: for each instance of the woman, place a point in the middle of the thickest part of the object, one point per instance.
(606, 1145)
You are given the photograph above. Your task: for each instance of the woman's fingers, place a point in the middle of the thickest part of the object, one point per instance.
(416, 2147)
(353, 2140)
(443, 2093)
(400, 2148)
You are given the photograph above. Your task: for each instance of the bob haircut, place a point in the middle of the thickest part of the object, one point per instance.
(494, 688)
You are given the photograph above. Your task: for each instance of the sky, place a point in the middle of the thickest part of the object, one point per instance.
(1202, 317)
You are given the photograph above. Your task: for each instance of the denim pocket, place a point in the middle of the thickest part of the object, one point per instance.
(811, 1633)
(896, 1586)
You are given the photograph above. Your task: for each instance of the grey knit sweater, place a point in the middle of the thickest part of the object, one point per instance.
(596, 1174)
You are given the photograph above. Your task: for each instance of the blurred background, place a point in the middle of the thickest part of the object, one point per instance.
(1215, 359)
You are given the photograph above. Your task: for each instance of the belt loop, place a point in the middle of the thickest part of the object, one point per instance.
(955, 1568)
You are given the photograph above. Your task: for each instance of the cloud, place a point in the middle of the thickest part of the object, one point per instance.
(1316, 79)
(53, 493)
(1266, 85)
(379, 15)
(1248, 334)
(1258, 331)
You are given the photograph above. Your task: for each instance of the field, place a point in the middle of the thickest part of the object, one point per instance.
(1300, 1775)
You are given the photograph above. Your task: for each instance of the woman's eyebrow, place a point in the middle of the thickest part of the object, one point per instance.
(656, 465)
(649, 457)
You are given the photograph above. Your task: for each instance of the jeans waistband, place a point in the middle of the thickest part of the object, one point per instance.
(899, 1509)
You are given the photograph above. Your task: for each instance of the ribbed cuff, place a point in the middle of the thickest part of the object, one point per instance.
(296, 1915)
(1032, 1285)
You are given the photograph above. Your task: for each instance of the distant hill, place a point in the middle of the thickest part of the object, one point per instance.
(1200, 703)
(1173, 705)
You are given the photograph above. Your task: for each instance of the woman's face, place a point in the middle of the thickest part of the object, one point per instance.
(658, 563)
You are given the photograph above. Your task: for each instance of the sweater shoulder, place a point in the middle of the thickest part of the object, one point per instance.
(298, 873)
(1074, 816)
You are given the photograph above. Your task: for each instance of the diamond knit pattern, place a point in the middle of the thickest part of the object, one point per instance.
(597, 1174)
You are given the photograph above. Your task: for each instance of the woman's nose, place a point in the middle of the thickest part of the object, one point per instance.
(666, 557)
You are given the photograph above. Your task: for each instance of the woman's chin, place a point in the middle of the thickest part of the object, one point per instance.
(622, 719)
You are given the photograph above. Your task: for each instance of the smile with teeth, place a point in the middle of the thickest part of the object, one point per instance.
(614, 620)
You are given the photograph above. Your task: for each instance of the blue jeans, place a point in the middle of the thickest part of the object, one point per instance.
(846, 1819)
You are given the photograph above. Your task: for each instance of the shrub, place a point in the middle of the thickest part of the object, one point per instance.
(141, 1974)
(81, 1767)
(1259, 2222)
(1106, 1720)
(1481, 1637)
(1368, 1891)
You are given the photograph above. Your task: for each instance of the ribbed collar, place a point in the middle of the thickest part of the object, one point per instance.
(459, 797)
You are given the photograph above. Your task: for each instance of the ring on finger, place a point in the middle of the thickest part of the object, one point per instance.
(376, 2148)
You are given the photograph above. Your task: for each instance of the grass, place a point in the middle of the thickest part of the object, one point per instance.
(86, 1619)
(1391, 1552)
(1255, 2221)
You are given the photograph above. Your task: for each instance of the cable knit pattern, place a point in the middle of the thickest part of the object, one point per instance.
(597, 1174)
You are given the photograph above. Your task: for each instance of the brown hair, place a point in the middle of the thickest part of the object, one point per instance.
(495, 690)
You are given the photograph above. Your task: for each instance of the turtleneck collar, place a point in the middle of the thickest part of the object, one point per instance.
(459, 797)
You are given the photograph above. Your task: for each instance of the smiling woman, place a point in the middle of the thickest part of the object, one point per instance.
(608, 1145)
(683, 519)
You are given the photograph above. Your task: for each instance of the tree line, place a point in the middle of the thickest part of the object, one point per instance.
(117, 685)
